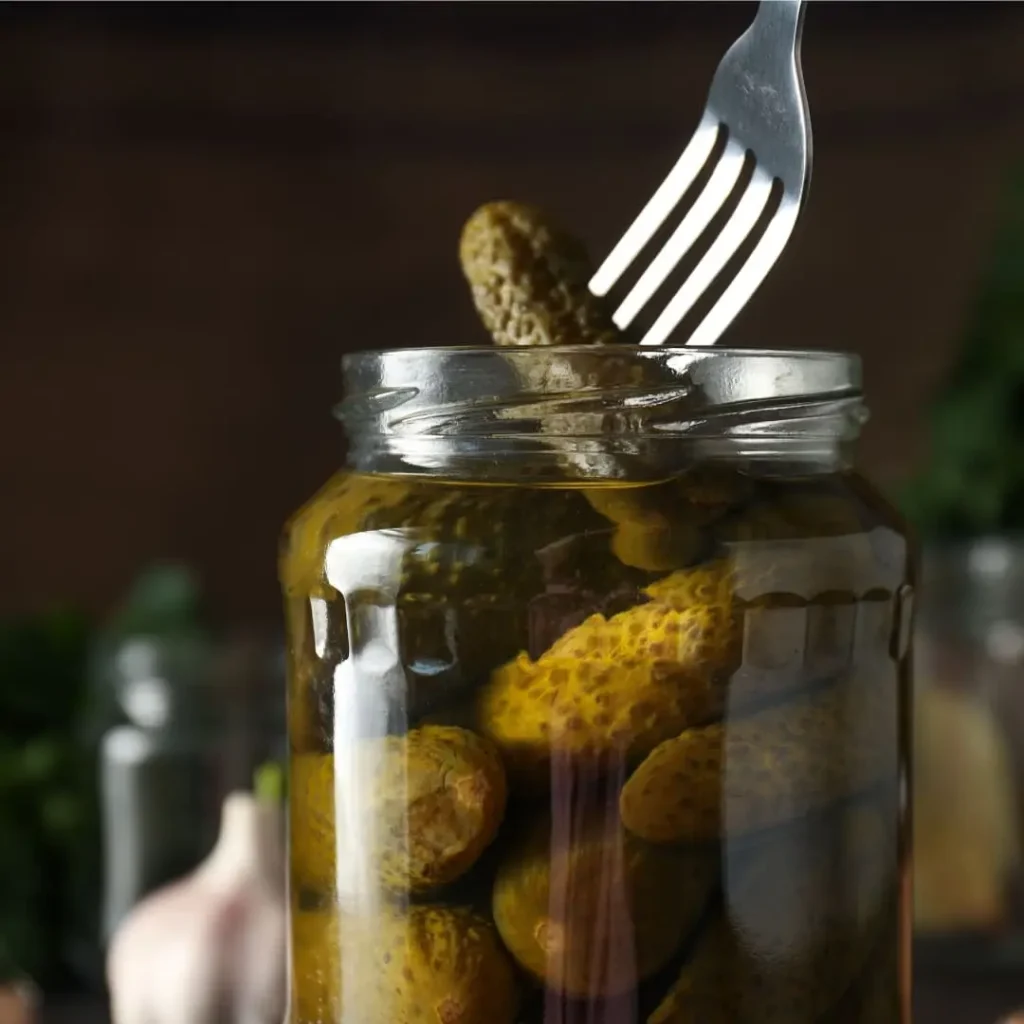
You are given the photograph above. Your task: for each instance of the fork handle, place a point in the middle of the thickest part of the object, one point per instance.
(780, 22)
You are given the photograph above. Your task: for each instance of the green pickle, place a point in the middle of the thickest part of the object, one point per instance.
(439, 964)
(766, 768)
(529, 279)
(587, 745)
(593, 912)
(804, 909)
(616, 687)
(437, 796)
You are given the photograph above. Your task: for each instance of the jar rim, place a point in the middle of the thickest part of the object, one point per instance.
(841, 355)
(613, 397)
(384, 381)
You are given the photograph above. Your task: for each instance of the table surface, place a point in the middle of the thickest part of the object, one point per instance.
(945, 999)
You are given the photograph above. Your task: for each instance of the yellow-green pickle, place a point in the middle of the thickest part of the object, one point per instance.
(598, 667)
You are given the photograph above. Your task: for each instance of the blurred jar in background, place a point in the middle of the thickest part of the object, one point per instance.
(969, 739)
(187, 718)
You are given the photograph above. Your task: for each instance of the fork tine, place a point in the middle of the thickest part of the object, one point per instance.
(714, 194)
(750, 275)
(735, 230)
(658, 207)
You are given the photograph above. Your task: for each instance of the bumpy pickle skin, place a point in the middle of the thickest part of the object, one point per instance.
(616, 687)
(439, 800)
(426, 965)
(804, 911)
(440, 965)
(767, 768)
(594, 912)
(529, 279)
(437, 797)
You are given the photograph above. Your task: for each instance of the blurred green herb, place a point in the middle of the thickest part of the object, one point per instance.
(973, 481)
(48, 842)
(269, 782)
(165, 598)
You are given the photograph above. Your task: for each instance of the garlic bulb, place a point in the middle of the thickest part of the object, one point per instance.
(211, 948)
(17, 1004)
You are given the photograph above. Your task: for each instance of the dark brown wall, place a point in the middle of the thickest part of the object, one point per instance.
(193, 230)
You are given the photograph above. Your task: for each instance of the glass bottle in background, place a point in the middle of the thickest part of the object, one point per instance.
(247, 671)
(151, 672)
(969, 744)
(186, 718)
(966, 501)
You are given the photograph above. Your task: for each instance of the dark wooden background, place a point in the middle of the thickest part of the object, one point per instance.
(202, 206)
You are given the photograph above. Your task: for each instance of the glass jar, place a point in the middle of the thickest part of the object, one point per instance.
(598, 696)
(969, 754)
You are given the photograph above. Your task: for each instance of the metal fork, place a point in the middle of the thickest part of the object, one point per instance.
(757, 98)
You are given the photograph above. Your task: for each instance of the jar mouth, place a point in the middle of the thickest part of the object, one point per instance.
(622, 399)
(642, 351)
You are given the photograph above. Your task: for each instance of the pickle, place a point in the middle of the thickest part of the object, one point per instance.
(796, 510)
(807, 905)
(618, 686)
(767, 768)
(433, 802)
(529, 279)
(806, 539)
(803, 910)
(442, 965)
(438, 802)
(702, 993)
(427, 965)
(713, 491)
(663, 526)
(593, 912)
(652, 529)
